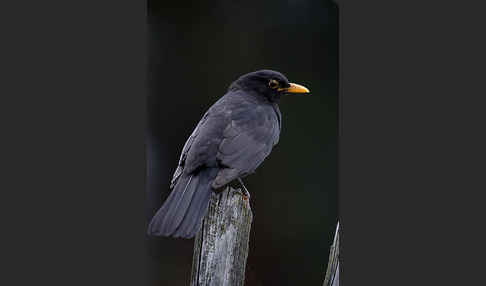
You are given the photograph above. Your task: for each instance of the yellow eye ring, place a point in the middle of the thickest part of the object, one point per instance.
(273, 84)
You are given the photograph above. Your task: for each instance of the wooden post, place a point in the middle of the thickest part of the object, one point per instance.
(332, 273)
(221, 246)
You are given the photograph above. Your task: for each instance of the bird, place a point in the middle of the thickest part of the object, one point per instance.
(231, 140)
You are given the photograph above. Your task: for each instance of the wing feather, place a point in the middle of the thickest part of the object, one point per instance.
(185, 150)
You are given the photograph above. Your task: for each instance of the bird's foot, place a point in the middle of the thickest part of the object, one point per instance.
(246, 194)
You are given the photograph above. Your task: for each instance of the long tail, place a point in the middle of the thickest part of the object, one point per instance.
(182, 213)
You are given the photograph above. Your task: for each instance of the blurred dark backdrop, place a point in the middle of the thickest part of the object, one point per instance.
(195, 51)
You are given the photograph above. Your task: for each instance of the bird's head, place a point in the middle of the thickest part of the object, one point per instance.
(268, 84)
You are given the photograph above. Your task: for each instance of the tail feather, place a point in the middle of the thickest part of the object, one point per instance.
(182, 212)
(176, 210)
(193, 218)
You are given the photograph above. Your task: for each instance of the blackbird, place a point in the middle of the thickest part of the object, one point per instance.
(230, 141)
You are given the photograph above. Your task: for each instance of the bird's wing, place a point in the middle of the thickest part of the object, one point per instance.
(186, 148)
(248, 139)
(201, 147)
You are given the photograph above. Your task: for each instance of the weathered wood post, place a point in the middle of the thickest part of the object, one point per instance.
(221, 246)
(332, 273)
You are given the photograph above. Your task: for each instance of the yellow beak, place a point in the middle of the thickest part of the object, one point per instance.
(295, 88)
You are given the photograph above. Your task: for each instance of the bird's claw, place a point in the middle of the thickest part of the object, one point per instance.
(246, 194)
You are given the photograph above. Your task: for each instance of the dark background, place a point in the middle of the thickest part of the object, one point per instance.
(411, 145)
(195, 52)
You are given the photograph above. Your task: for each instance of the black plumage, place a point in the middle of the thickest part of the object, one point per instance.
(230, 141)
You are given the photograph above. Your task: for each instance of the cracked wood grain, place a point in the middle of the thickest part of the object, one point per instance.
(221, 246)
(332, 273)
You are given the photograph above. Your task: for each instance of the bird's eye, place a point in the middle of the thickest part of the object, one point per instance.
(273, 84)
